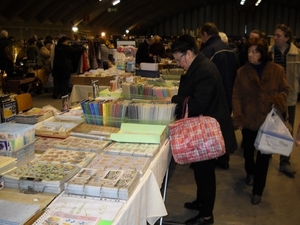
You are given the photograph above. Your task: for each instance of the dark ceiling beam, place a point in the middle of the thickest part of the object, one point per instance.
(48, 11)
(34, 8)
(131, 18)
(3, 4)
(15, 8)
(103, 9)
(85, 7)
(159, 14)
(111, 19)
(66, 8)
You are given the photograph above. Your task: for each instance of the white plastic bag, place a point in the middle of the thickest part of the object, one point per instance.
(273, 136)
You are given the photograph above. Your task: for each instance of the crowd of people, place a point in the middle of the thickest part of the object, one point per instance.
(246, 83)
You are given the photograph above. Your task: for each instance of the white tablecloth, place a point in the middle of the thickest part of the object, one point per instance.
(146, 203)
(80, 92)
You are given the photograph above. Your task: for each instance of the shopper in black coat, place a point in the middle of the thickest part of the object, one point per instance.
(227, 62)
(203, 85)
(62, 66)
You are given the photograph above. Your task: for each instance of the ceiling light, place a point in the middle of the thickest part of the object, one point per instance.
(257, 3)
(116, 2)
(242, 2)
(74, 28)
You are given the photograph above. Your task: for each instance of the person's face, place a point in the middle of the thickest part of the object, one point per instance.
(48, 46)
(254, 55)
(204, 37)
(181, 59)
(279, 38)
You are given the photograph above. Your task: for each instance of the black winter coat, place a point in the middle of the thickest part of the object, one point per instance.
(226, 60)
(62, 63)
(202, 83)
(5, 62)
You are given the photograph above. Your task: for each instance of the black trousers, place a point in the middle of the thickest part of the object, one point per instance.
(60, 85)
(204, 173)
(259, 167)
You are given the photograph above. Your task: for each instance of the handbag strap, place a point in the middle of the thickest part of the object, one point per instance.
(185, 108)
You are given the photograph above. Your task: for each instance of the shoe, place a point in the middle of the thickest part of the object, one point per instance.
(192, 205)
(224, 166)
(199, 220)
(256, 199)
(249, 179)
(287, 170)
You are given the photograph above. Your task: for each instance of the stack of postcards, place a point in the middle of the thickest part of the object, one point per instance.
(40, 177)
(108, 161)
(111, 184)
(66, 157)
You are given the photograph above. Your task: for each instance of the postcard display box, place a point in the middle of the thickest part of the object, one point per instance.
(17, 141)
(8, 110)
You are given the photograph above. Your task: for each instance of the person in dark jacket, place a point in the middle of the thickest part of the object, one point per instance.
(5, 63)
(143, 52)
(62, 66)
(227, 62)
(202, 83)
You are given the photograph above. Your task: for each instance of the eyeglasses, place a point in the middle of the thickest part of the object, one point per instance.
(178, 60)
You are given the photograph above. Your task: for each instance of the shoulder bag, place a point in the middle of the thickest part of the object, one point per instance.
(195, 139)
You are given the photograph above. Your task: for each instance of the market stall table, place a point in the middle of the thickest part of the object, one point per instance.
(146, 203)
(80, 92)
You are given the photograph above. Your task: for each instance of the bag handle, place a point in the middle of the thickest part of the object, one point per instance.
(185, 108)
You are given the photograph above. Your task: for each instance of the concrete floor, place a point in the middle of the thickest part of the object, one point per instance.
(280, 203)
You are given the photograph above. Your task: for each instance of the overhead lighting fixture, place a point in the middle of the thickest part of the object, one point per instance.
(74, 28)
(242, 2)
(116, 2)
(257, 3)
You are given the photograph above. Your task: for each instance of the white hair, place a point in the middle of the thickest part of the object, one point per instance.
(4, 33)
(223, 37)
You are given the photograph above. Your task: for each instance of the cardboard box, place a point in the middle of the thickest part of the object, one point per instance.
(87, 80)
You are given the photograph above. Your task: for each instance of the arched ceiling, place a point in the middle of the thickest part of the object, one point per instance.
(135, 15)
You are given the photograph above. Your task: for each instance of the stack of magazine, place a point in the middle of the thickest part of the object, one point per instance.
(111, 184)
(40, 177)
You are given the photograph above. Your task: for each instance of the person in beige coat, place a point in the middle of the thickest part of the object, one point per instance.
(260, 84)
(286, 54)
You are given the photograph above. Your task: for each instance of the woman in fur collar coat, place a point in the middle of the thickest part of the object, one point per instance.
(259, 85)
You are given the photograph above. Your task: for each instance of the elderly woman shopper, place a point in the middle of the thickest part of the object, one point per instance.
(202, 83)
(259, 85)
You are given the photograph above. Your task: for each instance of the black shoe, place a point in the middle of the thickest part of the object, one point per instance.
(192, 205)
(199, 220)
(256, 199)
(224, 166)
(249, 180)
(287, 170)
